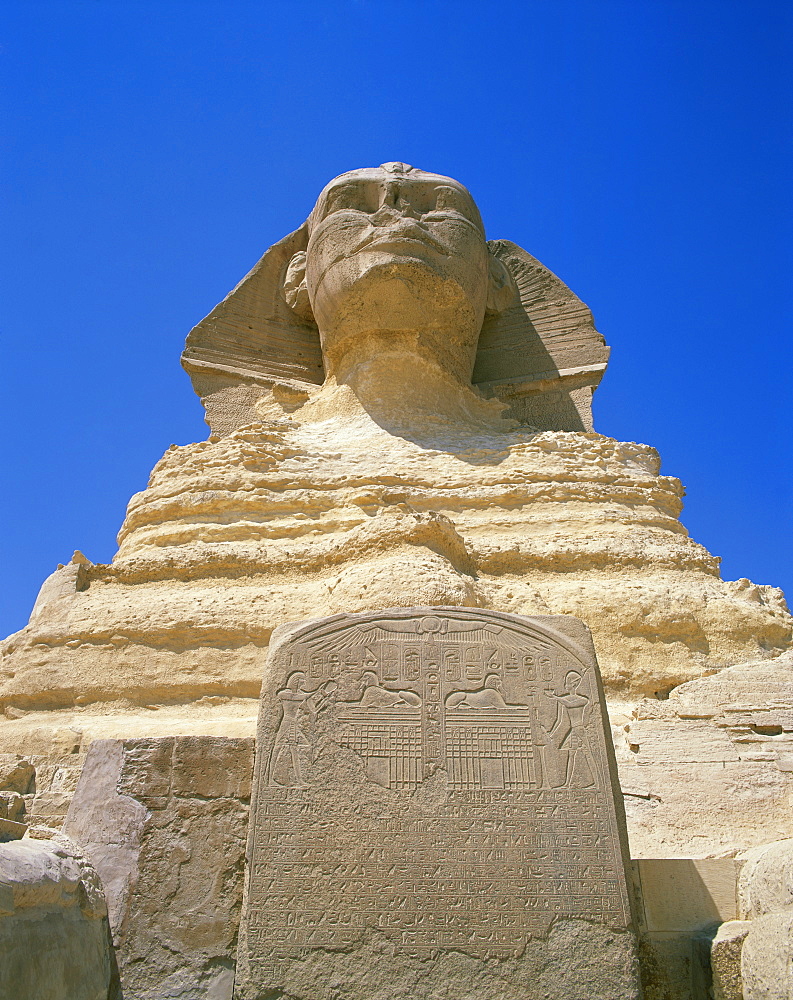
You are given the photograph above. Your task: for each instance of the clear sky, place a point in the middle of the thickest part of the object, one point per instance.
(153, 150)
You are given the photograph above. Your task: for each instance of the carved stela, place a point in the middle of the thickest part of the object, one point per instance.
(434, 808)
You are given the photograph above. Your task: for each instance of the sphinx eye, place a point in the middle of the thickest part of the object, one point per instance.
(449, 200)
(421, 198)
(446, 198)
(347, 197)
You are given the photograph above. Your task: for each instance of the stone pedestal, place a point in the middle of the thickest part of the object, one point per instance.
(435, 814)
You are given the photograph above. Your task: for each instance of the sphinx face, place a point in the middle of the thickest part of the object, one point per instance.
(397, 259)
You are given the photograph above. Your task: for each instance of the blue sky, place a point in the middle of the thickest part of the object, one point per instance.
(153, 150)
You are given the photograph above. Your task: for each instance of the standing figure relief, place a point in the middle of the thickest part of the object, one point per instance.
(569, 764)
(296, 702)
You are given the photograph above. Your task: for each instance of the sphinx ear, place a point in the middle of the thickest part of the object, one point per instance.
(295, 289)
(502, 292)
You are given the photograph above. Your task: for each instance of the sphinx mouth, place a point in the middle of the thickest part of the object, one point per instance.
(406, 239)
(401, 240)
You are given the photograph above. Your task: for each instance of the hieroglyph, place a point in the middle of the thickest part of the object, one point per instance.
(438, 779)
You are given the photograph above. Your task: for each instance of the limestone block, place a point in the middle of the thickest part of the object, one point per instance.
(165, 821)
(713, 749)
(766, 882)
(676, 966)
(12, 806)
(216, 769)
(725, 960)
(686, 894)
(108, 826)
(435, 814)
(765, 894)
(16, 774)
(767, 958)
(54, 937)
(47, 774)
(11, 830)
(682, 901)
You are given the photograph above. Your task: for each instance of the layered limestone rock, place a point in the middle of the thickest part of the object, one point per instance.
(323, 510)
(708, 771)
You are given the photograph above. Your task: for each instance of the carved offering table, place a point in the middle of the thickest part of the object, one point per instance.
(435, 814)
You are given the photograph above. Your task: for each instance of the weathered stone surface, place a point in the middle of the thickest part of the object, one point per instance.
(767, 958)
(765, 894)
(165, 821)
(537, 345)
(717, 748)
(686, 894)
(12, 806)
(16, 775)
(725, 960)
(313, 517)
(51, 767)
(676, 966)
(109, 826)
(682, 900)
(396, 483)
(434, 814)
(12, 830)
(766, 882)
(54, 938)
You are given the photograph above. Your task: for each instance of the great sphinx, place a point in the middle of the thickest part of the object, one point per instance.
(400, 414)
(392, 268)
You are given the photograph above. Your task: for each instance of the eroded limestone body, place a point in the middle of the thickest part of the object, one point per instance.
(323, 510)
(402, 415)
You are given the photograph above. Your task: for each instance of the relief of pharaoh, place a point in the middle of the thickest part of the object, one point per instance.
(400, 414)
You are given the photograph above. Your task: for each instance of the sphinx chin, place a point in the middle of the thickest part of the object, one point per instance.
(400, 305)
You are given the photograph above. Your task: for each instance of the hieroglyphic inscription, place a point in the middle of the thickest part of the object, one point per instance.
(440, 780)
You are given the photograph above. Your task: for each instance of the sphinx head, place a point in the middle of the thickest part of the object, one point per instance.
(397, 264)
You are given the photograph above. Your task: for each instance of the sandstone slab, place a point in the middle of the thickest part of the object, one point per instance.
(435, 814)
